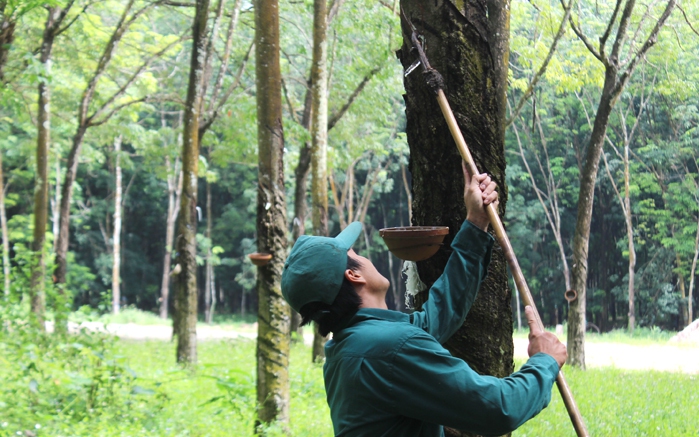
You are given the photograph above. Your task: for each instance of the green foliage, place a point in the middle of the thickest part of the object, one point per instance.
(136, 388)
(622, 403)
(57, 384)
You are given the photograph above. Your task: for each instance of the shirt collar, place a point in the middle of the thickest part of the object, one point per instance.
(372, 314)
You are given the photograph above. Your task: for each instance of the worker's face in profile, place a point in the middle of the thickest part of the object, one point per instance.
(374, 280)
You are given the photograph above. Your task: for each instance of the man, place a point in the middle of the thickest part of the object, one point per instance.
(386, 373)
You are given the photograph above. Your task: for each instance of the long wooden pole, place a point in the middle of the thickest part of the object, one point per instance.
(501, 236)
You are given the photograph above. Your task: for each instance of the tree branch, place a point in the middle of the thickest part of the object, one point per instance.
(114, 110)
(226, 53)
(687, 19)
(650, 42)
(588, 44)
(391, 7)
(335, 118)
(133, 78)
(621, 32)
(610, 26)
(229, 91)
(67, 26)
(292, 110)
(207, 70)
(178, 4)
(544, 65)
(333, 10)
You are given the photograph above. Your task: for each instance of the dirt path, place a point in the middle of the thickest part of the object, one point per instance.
(674, 357)
(670, 357)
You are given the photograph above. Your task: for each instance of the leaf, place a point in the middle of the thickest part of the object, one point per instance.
(34, 386)
(138, 390)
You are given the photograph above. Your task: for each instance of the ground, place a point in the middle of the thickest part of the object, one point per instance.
(671, 357)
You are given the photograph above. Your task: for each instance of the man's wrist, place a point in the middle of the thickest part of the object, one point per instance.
(479, 222)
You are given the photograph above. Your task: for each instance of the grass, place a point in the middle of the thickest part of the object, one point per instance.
(616, 402)
(95, 386)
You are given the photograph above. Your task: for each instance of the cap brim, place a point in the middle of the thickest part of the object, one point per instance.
(349, 235)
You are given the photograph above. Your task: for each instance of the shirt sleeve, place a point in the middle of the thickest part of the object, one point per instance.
(429, 384)
(452, 295)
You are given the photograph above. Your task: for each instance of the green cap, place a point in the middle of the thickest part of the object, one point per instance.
(316, 266)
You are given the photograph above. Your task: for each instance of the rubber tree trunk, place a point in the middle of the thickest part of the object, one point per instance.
(174, 192)
(41, 188)
(56, 202)
(8, 24)
(300, 204)
(5, 235)
(319, 139)
(116, 239)
(208, 286)
(273, 311)
(472, 56)
(185, 323)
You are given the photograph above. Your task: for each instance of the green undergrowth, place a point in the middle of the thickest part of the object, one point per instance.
(93, 385)
(615, 402)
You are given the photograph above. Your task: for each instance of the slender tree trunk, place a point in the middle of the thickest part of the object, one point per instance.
(300, 212)
(55, 202)
(273, 311)
(319, 139)
(615, 80)
(470, 49)
(581, 239)
(85, 121)
(208, 287)
(686, 319)
(116, 239)
(5, 235)
(41, 190)
(8, 25)
(692, 273)
(186, 283)
(64, 210)
(629, 233)
(173, 191)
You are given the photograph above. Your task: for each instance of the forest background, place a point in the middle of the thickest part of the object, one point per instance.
(132, 142)
(95, 123)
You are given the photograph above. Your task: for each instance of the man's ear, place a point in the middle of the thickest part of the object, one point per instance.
(355, 277)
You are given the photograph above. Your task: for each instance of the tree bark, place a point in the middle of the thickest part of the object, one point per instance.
(174, 186)
(470, 49)
(273, 311)
(692, 273)
(116, 239)
(8, 25)
(41, 190)
(615, 80)
(5, 235)
(319, 139)
(186, 282)
(55, 203)
(208, 286)
(84, 122)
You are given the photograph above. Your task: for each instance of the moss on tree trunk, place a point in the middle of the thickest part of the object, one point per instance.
(469, 49)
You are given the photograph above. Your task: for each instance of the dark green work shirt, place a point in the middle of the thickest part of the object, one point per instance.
(386, 373)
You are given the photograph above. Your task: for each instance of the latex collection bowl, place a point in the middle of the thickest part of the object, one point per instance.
(260, 259)
(414, 243)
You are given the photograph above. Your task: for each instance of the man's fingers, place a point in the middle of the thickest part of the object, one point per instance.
(467, 174)
(534, 328)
